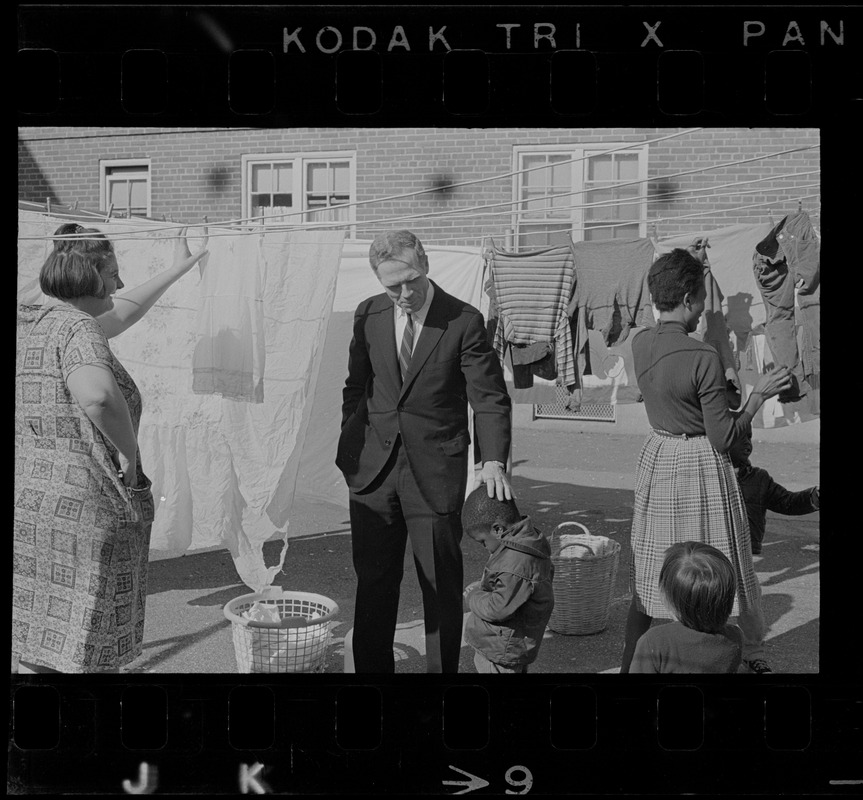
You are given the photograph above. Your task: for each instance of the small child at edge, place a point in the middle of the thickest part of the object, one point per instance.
(698, 584)
(511, 606)
(761, 493)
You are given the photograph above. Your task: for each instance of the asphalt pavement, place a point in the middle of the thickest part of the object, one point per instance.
(557, 477)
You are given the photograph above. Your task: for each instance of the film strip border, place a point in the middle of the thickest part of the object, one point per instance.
(436, 65)
(354, 739)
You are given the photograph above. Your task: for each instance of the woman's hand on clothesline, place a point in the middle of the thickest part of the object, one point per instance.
(698, 249)
(184, 260)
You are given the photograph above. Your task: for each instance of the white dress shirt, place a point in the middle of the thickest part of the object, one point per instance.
(419, 320)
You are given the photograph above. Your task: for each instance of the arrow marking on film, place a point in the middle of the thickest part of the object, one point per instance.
(473, 783)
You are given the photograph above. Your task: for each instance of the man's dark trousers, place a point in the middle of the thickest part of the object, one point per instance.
(383, 516)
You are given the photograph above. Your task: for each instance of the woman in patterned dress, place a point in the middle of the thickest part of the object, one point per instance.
(83, 507)
(685, 487)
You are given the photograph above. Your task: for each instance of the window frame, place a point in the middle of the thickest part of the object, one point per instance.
(105, 165)
(299, 189)
(578, 180)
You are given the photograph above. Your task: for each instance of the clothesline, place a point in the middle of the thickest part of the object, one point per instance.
(615, 186)
(342, 223)
(421, 221)
(476, 181)
(460, 214)
(374, 224)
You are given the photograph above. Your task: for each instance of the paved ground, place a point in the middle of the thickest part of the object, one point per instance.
(587, 477)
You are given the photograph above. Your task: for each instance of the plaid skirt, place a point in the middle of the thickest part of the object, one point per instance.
(686, 491)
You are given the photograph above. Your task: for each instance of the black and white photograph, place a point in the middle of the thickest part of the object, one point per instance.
(364, 352)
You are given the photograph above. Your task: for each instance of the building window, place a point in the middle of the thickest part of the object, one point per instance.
(578, 191)
(297, 189)
(125, 186)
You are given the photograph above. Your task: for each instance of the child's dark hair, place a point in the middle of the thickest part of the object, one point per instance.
(698, 584)
(481, 511)
(671, 276)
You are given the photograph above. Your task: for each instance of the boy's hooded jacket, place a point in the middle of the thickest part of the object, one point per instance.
(512, 606)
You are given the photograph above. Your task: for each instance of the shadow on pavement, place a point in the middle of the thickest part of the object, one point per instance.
(323, 564)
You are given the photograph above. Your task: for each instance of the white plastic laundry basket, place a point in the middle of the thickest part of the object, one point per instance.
(298, 643)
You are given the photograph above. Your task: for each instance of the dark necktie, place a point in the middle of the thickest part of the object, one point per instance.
(407, 346)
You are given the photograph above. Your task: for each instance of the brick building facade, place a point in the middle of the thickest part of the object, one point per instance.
(192, 172)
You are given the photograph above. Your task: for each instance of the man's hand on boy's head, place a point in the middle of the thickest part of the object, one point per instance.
(493, 475)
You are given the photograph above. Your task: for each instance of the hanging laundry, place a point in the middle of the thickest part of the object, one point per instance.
(531, 291)
(611, 293)
(609, 375)
(223, 473)
(230, 354)
(730, 257)
(786, 265)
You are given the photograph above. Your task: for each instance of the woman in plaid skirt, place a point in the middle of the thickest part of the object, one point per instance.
(685, 485)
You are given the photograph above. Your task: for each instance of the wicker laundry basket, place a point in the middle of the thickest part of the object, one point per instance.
(298, 643)
(583, 587)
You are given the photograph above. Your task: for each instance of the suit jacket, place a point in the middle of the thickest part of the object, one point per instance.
(452, 364)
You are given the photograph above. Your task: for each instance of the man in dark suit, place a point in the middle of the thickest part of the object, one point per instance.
(417, 358)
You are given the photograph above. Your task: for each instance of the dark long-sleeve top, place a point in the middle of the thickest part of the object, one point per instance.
(683, 385)
(762, 494)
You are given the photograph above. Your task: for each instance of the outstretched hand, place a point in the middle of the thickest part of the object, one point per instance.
(184, 260)
(698, 249)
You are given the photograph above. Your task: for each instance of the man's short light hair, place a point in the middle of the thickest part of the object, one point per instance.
(389, 244)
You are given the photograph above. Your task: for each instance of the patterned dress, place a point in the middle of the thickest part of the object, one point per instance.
(81, 538)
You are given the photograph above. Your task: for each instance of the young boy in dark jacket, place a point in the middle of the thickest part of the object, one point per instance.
(762, 494)
(511, 605)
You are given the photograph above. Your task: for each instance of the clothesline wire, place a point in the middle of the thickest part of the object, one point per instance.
(675, 196)
(473, 182)
(420, 221)
(443, 215)
(373, 225)
(816, 210)
(476, 181)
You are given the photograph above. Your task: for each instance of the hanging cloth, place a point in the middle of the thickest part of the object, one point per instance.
(531, 291)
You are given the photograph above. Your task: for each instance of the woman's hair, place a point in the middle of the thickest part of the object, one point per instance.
(481, 511)
(74, 267)
(671, 276)
(698, 584)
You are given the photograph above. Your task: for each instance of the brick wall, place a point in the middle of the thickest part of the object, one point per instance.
(197, 172)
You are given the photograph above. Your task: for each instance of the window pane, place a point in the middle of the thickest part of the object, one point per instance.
(627, 167)
(626, 232)
(600, 212)
(561, 177)
(117, 193)
(535, 236)
(628, 211)
(139, 194)
(342, 177)
(283, 200)
(536, 180)
(316, 177)
(599, 168)
(598, 234)
(262, 178)
(284, 178)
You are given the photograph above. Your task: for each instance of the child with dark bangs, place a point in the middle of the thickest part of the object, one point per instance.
(697, 584)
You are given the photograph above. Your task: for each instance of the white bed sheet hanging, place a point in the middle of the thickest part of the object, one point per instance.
(219, 467)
